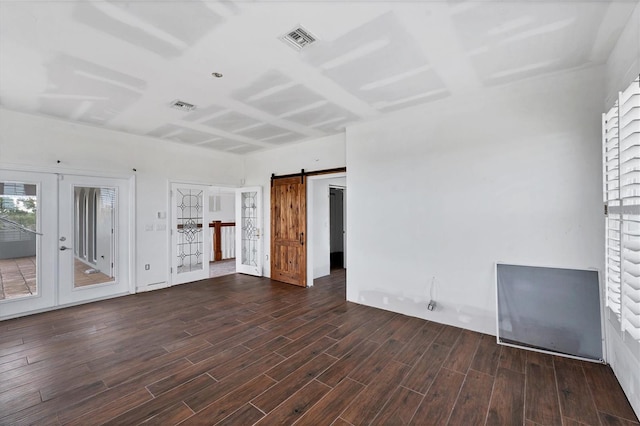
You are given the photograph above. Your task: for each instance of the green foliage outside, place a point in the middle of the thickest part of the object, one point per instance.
(22, 211)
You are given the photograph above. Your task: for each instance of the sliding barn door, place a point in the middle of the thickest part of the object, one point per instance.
(288, 230)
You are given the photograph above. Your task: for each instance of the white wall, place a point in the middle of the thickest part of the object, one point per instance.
(623, 64)
(622, 67)
(510, 174)
(318, 154)
(227, 212)
(37, 142)
(319, 246)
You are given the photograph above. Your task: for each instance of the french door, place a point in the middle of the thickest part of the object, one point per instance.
(190, 236)
(64, 239)
(28, 240)
(249, 230)
(93, 233)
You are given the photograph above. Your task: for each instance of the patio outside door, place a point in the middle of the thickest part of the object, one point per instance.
(64, 239)
(28, 236)
(93, 249)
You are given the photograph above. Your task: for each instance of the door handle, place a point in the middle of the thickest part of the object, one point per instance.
(63, 248)
(302, 238)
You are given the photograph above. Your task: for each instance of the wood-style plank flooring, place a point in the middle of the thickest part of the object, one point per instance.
(240, 350)
(17, 277)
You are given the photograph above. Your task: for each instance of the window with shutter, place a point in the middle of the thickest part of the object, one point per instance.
(621, 170)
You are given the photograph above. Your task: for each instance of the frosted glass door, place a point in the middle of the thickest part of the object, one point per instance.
(190, 236)
(249, 231)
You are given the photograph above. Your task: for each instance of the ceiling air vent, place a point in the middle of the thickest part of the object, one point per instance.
(182, 106)
(299, 38)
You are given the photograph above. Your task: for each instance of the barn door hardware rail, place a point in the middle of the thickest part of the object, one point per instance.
(304, 173)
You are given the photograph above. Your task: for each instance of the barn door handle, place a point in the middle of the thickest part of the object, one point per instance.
(302, 238)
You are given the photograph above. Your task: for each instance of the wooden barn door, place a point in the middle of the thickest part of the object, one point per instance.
(288, 230)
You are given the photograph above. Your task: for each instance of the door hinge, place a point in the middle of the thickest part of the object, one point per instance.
(606, 210)
(171, 270)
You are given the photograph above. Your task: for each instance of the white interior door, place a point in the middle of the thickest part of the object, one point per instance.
(93, 238)
(28, 203)
(190, 236)
(249, 230)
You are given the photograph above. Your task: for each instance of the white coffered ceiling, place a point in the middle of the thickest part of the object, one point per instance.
(120, 64)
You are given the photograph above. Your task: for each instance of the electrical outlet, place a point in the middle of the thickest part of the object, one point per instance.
(147, 267)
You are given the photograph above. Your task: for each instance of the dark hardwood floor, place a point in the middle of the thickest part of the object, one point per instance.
(242, 350)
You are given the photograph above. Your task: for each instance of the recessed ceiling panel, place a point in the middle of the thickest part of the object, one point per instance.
(283, 101)
(285, 138)
(394, 90)
(201, 113)
(231, 121)
(176, 133)
(224, 144)
(87, 92)
(190, 136)
(287, 100)
(246, 149)
(417, 99)
(510, 41)
(322, 114)
(269, 82)
(166, 28)
(277, 94)
(164, 130)
(376, 54)
(263, 131)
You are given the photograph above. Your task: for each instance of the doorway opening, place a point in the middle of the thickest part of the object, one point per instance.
(326, 225)
(336, 228)
(215, 231)
(222, 227)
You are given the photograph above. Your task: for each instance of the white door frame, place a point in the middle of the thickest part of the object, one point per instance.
(310, 218)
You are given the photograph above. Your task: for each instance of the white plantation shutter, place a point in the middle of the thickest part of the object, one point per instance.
(611, 172)
(621, 156)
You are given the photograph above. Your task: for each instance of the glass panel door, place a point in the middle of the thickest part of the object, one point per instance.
(190, 236)
(27, 242)
(93, 238)
(94, 235)
(248, 231)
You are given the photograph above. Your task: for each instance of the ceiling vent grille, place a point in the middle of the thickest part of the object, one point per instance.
(182, 106)
(299, 38)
